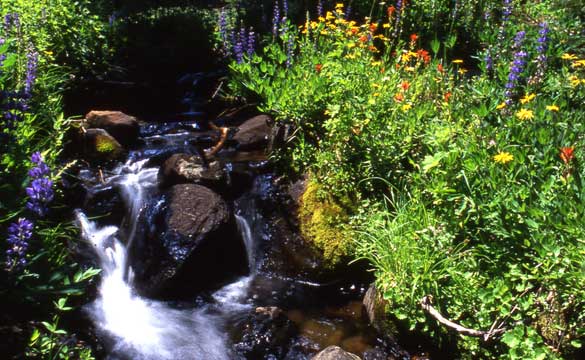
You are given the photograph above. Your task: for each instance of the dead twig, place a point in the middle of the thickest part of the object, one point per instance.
(426, 304)
(223, 137)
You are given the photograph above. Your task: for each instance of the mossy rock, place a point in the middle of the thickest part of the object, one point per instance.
(99, 144)
(323, 223)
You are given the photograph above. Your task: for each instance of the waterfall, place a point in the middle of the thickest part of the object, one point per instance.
(143, 328)
(244, 228)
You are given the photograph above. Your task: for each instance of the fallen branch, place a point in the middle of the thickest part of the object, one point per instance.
(223, 137)
(425, 302)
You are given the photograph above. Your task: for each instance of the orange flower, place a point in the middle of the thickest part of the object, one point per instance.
(391, 10)
(423, 54)
(373, 27)
(413, 37)
(363, 38)
(440, 68)
(354, 30)
(399, 97)
(372, 48)
(405, 85)
(447, 96)
(318, 67)
(567, 154)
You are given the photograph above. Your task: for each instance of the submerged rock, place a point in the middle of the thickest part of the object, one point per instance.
(185, 168)
(335, 353)
(253, 134)
(124, 128)
(192, 244)
(100, 145)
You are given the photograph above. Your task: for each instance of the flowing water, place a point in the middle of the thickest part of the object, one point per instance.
(231, 322)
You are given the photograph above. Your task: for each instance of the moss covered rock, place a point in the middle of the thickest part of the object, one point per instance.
(323, 222)
(99, 144)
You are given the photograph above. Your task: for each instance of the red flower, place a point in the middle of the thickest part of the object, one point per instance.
(447, 96)
(413, 37)
(405, 85)
(391, 10)
(399, 97)
(373, 27)
(363, 38)
(423, 54)
(440, 68)
(567, 154)
(318, 67)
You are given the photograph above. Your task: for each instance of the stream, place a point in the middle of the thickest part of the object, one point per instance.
(272, 310)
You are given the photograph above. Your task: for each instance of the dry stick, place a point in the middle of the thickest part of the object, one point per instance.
(425, 302)
(224, 132)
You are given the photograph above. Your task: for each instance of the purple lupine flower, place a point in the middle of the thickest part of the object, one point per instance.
(223, 29)
(489, 61)
(240, 39)
(275, 18)
(31, 72)
(542, 42)
(40, 191)
(251, 42)
(40, 194)
(289, 50)
(398, 12)
(284, 9)
(19, 233)
(506, 11)
(517, 67)
(320, 8)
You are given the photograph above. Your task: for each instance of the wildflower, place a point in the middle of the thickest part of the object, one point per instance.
(413, 37)
(567, 56)
(399, 97)
(506, 11)
(552, 108)
(578, 63)
(275, 18)
(19, 233)
(339, 6)
(440, 68)
(223, 29)
(567, 154)
(503, 157)
(363, 38)
(527, 98)
(517, 66)
(447, 96)
(251, 42)
(318, 67)
(320, 10)
(391, 10)
(423, 54)
(457, 61)
(406, 107)
(501, 106)
(405, 85)
(289, 50)
(31, 72)
(40, 192)
(524, 114)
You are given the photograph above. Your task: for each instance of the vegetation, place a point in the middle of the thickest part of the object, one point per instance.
(42, 44)
(458, 132)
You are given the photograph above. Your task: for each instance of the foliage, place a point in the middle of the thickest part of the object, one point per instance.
(478, 154)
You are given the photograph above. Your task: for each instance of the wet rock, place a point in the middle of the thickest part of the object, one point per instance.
(375, 307)
(266, 334)
(98, 144)
(192, 244)
(253, 134)
(335, 353)
(185, 168)
(124, 128)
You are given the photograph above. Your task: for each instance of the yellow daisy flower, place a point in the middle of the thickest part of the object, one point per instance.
(503, 157)
(501, 106)
(457, 61)
(567, 56)
(525, 114)
(527, 98)
(552, 108)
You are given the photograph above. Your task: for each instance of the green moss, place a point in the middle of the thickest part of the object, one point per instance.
(104, 145)
(323, 222)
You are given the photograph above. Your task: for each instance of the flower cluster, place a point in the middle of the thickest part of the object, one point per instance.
(19, 234)
(517, 67)
(40, 190)
(541, 49)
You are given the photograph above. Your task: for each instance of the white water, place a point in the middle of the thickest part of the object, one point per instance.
(146, 329)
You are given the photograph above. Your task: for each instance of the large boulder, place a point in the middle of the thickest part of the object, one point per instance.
(186, 168)
(254, 133)
(335, 353)
(124, 128)
(192, 244)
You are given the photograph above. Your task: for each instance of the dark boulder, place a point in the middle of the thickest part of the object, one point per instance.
(335, 353)
(192, 244)
(185, 168)
(124, 128)
(254, 133)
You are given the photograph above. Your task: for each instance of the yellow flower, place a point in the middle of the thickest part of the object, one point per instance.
(321, 19)
(552, 108)
(567, 56)
(385, 25)
(462, 71)
(578, 63)
(574, 80)
(501, 106)
(329, 15)
(339, 6)
(527, 98)
(406, 107)
(457, 61)
(503, 157)
(525, 114)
